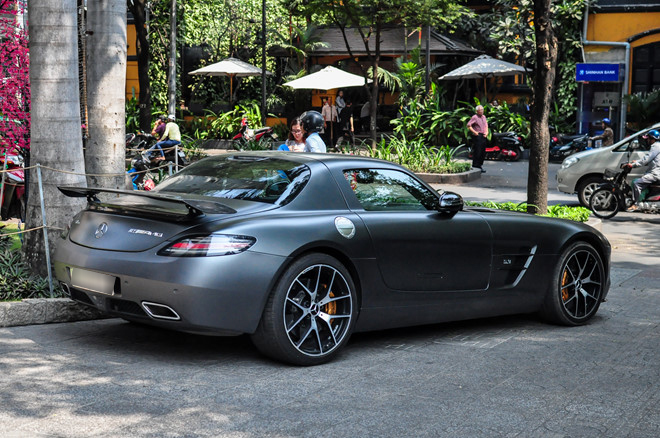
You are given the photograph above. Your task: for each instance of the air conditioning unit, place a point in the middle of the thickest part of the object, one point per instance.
(606, 99)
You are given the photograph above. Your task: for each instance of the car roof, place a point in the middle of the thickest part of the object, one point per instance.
(330, 160)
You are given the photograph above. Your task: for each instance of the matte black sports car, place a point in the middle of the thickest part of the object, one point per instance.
(301, 250)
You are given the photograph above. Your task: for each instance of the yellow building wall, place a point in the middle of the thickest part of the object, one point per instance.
(618, 27)
(132, 83)
(621, 26)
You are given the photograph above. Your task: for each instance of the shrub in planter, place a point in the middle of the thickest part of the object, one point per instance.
(16, 280)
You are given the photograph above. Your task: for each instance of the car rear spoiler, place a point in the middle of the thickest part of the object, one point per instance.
(195, 207)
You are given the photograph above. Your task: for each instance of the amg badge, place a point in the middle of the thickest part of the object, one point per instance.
(145, 232)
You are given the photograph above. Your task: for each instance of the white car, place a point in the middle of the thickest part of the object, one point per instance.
(581, 173)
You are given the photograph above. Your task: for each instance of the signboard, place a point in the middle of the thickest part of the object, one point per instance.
(597, 72)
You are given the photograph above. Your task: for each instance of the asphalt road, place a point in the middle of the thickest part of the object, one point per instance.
(500, 377)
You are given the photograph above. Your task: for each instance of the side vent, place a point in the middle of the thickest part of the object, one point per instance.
(510, 265)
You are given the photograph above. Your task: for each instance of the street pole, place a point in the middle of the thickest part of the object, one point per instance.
(171, 107)
(428, 60)
(263, 63)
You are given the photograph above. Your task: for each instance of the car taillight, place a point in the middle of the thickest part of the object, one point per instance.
(208, 246)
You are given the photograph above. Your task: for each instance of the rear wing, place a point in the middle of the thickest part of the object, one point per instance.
(194, 207)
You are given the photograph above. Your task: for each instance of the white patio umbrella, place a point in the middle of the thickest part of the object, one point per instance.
(327, 79)
(231, 67)
(484, 67)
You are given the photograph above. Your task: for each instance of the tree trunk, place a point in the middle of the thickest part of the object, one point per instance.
(373, 98)
(137, 8)
(106, 98)
(56, 140)
(544, 78)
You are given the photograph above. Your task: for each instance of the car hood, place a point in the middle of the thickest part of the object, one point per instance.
(135, 221)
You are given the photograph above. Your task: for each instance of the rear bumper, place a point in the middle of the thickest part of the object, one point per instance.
(220, 295)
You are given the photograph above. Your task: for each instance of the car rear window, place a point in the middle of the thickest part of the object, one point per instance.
(252, 178)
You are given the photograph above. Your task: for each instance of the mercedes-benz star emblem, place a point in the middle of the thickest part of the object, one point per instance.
(101, 230)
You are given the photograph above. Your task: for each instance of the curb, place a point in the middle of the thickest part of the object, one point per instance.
(595, 223)
(45, 311)
(450, 178)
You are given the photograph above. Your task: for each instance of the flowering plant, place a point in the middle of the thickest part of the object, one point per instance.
(14, 77)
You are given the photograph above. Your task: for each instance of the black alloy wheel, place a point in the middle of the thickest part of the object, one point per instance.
(310, 314)
(577, 288)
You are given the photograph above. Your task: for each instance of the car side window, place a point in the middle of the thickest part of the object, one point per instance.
(389, 190)
(641, 145)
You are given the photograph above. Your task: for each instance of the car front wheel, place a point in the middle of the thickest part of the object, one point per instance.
(587, 188)
(577, 287)
(310, 314)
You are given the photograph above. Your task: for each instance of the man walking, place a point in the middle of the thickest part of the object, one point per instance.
(478, 126)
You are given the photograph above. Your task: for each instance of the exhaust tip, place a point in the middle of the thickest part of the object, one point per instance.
(160, 311)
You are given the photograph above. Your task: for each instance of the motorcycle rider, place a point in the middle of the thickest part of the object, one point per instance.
(608, 135)
(653, 173)
(171, 137)
(312, 123)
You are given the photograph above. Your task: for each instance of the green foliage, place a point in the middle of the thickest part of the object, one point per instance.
(221, 29)
(643, 109)
(427, 121)
(254, 145)
(577, 214)
(223, 125)
(502, 119)
(508, 32)
(417, 157)
(191, 147)
(16, 280)
(132, 115)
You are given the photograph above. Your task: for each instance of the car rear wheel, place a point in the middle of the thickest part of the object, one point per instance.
(604, 203)
(310, 314)
(587, 188)
(577, 287)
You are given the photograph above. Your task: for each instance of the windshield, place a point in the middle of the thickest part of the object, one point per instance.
(270, 180)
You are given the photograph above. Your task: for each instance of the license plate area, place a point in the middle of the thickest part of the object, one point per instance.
(93, 281)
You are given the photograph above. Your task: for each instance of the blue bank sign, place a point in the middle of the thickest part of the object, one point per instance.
(597, 72)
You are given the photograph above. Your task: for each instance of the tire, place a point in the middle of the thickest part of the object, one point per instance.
(310, 314)
(604, 203)
(577, 286)
(518, 152)
(587, 187)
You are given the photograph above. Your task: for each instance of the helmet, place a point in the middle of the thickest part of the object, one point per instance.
(312, 121)
(162, 118)
(171, 117)
(607, 121)
(655, 134)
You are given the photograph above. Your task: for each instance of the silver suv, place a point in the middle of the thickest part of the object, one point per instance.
(583, 172)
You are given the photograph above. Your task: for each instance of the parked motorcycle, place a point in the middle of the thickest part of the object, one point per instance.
(247, 135)
(616, 194)
(12, 197)
(145, 161)
(136, 141)
(505, 146)
(572, 145)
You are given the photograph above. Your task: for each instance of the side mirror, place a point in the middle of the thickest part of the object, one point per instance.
(450, 203)
(634, 144)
